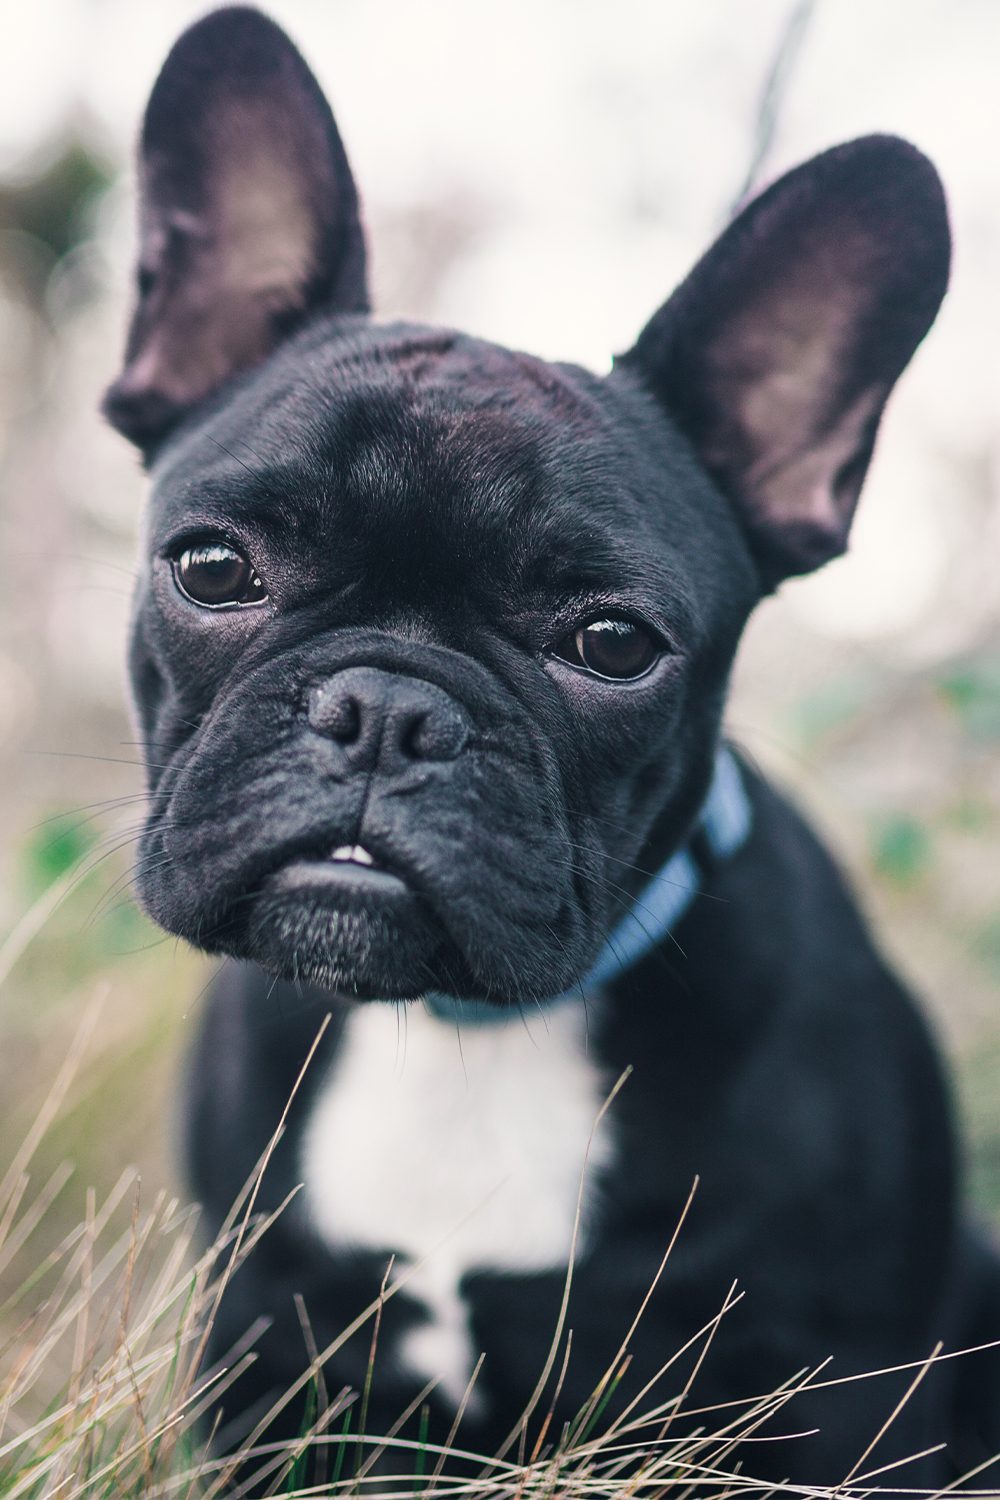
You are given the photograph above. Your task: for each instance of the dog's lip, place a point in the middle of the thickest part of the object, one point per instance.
(356, 872)
(339, 874)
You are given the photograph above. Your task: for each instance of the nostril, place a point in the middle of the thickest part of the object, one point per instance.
(438, 733)
(335, 714)
(346, 726)
(415, 739)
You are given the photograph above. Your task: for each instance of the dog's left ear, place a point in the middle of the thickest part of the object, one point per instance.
(778, 352)
(248, 221)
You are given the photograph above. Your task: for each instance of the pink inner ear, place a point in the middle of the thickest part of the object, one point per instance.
(806, 495)
(249, 218)
(777, 373)
(778, 353)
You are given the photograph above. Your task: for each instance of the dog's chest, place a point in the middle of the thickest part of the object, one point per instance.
(463, 1151)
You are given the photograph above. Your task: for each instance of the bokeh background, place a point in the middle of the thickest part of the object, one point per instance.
(541, 172)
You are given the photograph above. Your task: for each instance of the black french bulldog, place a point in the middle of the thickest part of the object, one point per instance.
(430, 651)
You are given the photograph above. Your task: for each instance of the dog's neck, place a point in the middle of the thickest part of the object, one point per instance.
(720, 831)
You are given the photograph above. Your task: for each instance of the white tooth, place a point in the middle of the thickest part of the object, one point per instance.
(352, 854)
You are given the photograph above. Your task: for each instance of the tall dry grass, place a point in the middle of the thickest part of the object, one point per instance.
(104, 1390)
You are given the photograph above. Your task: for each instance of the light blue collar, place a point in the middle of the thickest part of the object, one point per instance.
(722, 828)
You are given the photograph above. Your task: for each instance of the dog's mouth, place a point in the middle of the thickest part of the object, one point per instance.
(349, 869)
(347, 917)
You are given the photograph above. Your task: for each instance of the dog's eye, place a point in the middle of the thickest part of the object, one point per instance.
(215, 575)
(615, 648)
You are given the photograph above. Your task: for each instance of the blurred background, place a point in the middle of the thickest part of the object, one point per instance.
(541, 172)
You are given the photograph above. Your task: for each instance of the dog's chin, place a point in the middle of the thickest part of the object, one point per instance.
(366, 932)
(359, 932)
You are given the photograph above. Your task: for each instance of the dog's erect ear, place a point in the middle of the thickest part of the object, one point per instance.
(778, 352)
(248, 219)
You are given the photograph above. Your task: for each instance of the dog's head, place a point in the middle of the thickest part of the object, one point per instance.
(431, 638)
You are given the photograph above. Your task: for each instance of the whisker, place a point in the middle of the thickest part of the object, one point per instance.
(109, 804)
(111, 760)
(254, 474)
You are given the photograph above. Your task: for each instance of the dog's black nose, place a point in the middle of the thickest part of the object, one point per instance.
(386, 721)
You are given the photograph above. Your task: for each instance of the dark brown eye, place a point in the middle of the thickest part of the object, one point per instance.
(215, 575)
(618, 649)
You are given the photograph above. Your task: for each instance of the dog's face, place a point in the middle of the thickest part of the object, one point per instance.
(431, 640)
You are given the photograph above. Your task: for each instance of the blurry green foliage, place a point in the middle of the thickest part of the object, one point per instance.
(97, 922)
(52, 848)
(986, 945)
(969, 814)
(827, 708)
(973, 692)
(901, 849)
(980, 1101)
(52, 207)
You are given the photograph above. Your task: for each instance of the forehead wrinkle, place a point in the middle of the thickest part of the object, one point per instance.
(484, 485)
(427, 499)
(444, 463)
(464, 371)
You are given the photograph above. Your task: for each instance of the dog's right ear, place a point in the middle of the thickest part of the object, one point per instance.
(249, 219)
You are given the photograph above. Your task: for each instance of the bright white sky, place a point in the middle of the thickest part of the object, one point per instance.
(605, 142)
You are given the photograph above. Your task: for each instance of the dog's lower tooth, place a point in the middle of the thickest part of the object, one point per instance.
(344, 853)
(361, 856)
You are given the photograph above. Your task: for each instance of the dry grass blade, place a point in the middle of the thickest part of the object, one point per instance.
(520, 1426)
(890, 1419)
(54, 1099)
(255, 1189)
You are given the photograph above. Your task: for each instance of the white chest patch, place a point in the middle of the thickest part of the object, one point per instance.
(462, 1147)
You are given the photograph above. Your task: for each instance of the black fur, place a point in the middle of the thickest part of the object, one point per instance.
(431, 514)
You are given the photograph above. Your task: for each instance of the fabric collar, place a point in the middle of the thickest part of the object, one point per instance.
(722, 829)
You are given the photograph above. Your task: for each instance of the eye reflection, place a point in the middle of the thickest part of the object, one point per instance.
(216, 576)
